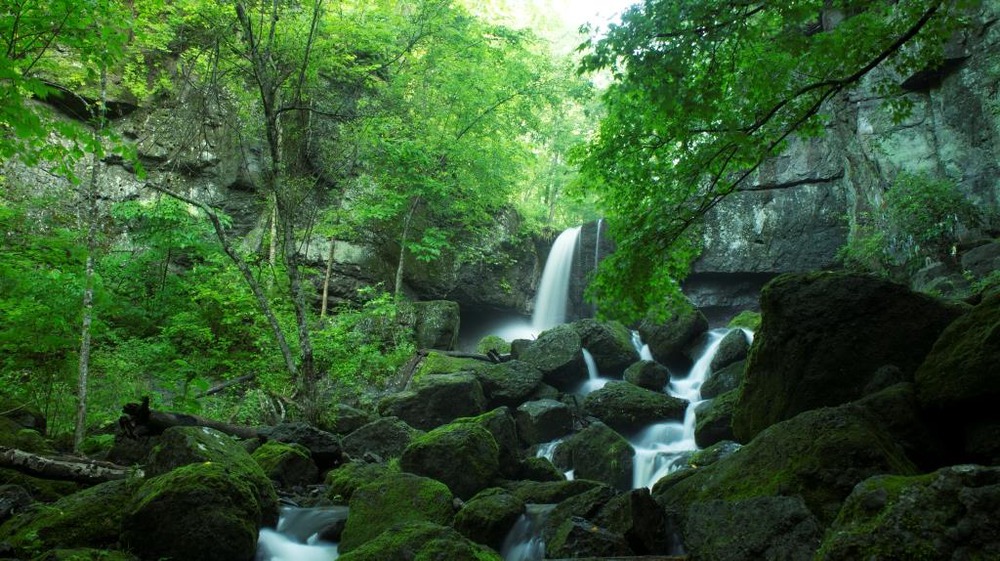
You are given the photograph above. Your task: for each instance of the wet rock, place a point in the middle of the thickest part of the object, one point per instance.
(501, 426)
(384, 439)
(462, 455)
(489, 516)
(421, 540)
(578, 537)
(643, 524)
(734, 347)
(953, 513)
(324, 447)
(436, 400)
(539, 469)
(343, 481)
(288, 465)
(85, 554)
(668, 339)
(648, 374)
(801, 362)
(550, 492)
(626, 407)
(509, 383)
(724, 380)
(711, 454)
(752, 529)
(558, 354)
(395, 499)
(543, 420)
(610, 343)
(714, 419)
(600, 454)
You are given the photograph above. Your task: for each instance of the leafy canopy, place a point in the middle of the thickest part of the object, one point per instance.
(704, 91)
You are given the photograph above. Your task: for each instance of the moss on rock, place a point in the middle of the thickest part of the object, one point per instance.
(627, 407)
(489, 516)
(420, 541)
(343, 481)
(286, 464)
(462, 455)
(85, 554)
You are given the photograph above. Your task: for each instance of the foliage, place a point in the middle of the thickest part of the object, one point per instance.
(921, 217)
(705, 90)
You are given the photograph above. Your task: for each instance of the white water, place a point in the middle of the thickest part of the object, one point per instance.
(640, 347)
(524, 542)
(553, 290)
(594, 380)
(297, 535)
(658, 448)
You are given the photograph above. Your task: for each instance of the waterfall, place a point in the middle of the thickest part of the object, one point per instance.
(298, 535)
(524, 541)
(553, 290)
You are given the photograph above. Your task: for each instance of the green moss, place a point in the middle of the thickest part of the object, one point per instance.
(463, 455)
(343, 481)
(46, 490)
(492, 342)
(286, 463)
(745, 320)
(438, 363)
(84, 554)
(420, 541)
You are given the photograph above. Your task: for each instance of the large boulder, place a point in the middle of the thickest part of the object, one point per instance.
(734, 347)
(669, 339)
(643, 524)
(383, 439)
(289, 465)
(502, 427)
(823, 338)
(610, 343)
(724, 380)
(953, 513)
(436, 400)
(395, 499)
(752, 529)
(565, 529)
(90, 518)
(462, 455)
(714, 418)
(648, 374)
(436, 325)
(558, 354)
(543, 420)
(204, 511)
(897, 410)
(342, 419)
(626, 407)
(959, 382)
(345, 480)
(600, 454)
(417, 541)
(324, 447)
(509, 383)
(489, 516)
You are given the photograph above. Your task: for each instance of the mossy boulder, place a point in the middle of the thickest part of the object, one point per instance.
(14, 435)
(579, 537)
(493, 343)
(489, 516)
(746, 319)
(440, 363)
(420, 541)
(819, 455)
(734, 347)
(14, 500)
(342, 419)
(343, 481)
(609, 343)
(436, 325)
(823, 338)
(462, 455)
(25, 415)
(723, 380)
(509, 383)
(599, 453)
(380, 440)
(85, 554)
(636, 517)
(324, 447)
(558, 353)
(543, 420)
(501, 425)
(45, 490)
(714, 418)
(539, 469)
(392, 500)
(550, 492)
(752, 529)
(648, 374)
(897, 410)
(953, 513)
(436, 400)
(89, 518)
(626, 407)
(288, 465)
(669, 336)
(198, 512)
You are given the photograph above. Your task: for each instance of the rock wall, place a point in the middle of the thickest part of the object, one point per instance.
(796, 211)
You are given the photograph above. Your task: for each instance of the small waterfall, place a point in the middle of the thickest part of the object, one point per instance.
(640, 347)
(298, 535)
(524, 541)
(659, 447)
(594, 380)
(553, 290)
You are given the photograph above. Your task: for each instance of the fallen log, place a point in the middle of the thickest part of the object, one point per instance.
(227, 384)
(139, 420)
(66, 468)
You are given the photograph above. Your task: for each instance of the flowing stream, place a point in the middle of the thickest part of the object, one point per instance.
(298, 535)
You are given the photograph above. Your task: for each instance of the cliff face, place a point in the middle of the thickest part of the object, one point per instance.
(797, 210)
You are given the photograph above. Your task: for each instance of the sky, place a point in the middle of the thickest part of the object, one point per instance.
(600, 12)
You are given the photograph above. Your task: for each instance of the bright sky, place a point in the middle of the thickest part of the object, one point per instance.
(599, 12)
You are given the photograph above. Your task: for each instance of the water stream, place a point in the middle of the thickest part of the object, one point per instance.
(298, 536)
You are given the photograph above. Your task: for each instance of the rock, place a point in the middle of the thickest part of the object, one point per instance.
(745, 320)
(953, 513)
(539, 469)
(958, 383)
(509, 383)
(558, 354)
(44, 490)
(714, 419)
(610, 343)
(501, 426)
(711, 454)
(648, 374)
(550, 492)
(543, 420)
(14, 499)
(669, 339)
(418, 541)
(462, 455)
(342, 419)
(436, 400)
(343, 481)
(801, 363)
(204, 511)
(493, 343)
(385, 438)
(643, 524)
(626, 407)
(577, 537)
(583, 508)
(288, 465)
(13, 435)
(489, 516)
(734, 347)
(898, 412)
(90, 518)
(85, 554)
(818, 455)
(25, 415)
(324, 447)
(399, 498)
(752, 529)
(724, 380)
(600, 454)
(436, 325)
(982, 260)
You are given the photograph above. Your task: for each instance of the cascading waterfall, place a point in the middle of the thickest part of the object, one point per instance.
(553, 290)
(524, 542)
(594, 380)
(298, 535)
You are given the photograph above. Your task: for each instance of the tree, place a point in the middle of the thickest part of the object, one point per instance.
(704, 91)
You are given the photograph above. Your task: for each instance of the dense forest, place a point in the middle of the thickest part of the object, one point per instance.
(419, 123)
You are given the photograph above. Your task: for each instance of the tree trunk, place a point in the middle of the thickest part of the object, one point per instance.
(398, 292)
(326, 278)
(66, 469)
(139, 420)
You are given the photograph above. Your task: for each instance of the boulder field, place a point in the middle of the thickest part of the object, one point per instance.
(859, 424)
